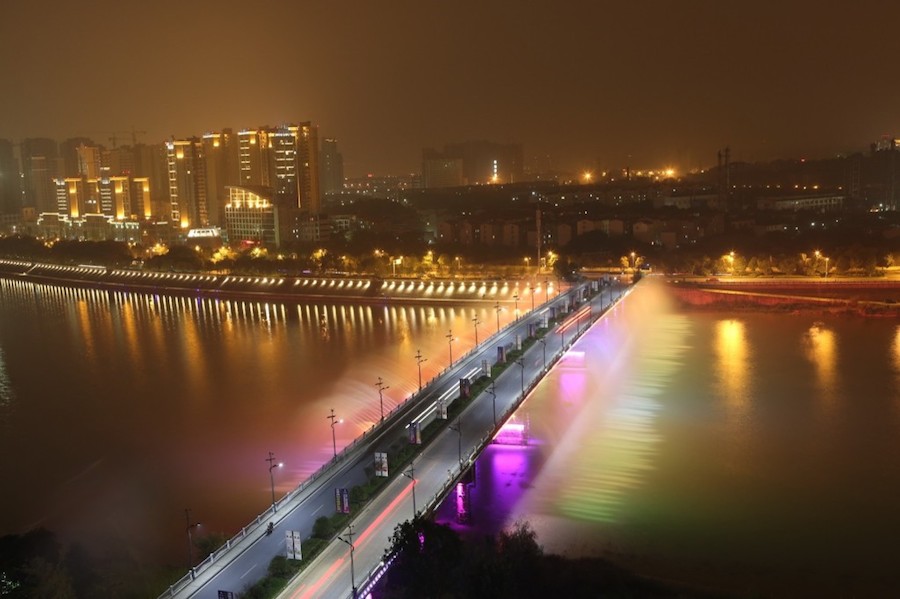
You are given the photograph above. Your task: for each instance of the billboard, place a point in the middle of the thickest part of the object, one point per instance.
(381, 464)
(415, 435)
(292, 540)
(342, 501)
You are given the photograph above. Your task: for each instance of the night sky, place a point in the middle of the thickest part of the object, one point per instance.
(580, 84)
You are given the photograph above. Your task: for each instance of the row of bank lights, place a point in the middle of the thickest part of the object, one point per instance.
(408, 287)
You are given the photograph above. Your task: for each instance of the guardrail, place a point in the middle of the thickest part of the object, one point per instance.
(379, 570)
(271, 511)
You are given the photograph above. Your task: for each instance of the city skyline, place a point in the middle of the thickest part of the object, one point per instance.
(579, 86)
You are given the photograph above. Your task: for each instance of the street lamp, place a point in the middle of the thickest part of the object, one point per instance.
(332, 417)
(521, 364)
(381, 389)
(352, 548)
(516, 299)
(532, 297)
(449, 337)
(543, 343)
(189, 526)
(411, 475)
(273, 466)
(419, 360)
(632, 260)
(826, 267)
(498, 308)
(476, 322)
(457, 428)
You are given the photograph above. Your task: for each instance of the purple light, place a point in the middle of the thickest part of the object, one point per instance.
(512, 433)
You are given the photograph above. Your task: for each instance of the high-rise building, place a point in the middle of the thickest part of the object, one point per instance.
(10, 193)
(115, 197)
(253, 157)
(187, 183)
(68, 153)
(441, 171)
(221, 156)
(308, 168)
(284, 141)
(141, 199)
(88, 161)
(251, 215)
(331, 167)
(150, 162)
(39, 162)
(482, 162)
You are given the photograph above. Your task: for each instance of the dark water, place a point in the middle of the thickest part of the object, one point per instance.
(752, 453)
(118, 411)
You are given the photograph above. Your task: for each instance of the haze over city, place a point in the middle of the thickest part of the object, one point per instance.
(579, 84)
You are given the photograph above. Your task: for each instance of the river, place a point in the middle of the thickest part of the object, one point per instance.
(120, 410)
(747, 453)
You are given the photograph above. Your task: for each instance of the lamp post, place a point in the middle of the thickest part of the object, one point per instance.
(543, 343)
(332, 417)
(476, 322)
(449, 337)
(381, 389)
(521, 364)
(352, 548)
(419, 360)
(457, 428)
(516, 299)
(411, 475)
(826, 267)
(189, 526)
(497, 308)
(532, 297)
(632, 260)
(273, 466)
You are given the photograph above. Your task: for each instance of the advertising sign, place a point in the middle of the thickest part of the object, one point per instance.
(441, 410)
(342, 501)
(381, 464)
(292, 540)
(415, 435)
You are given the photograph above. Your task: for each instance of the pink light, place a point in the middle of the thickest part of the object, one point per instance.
(313, 589)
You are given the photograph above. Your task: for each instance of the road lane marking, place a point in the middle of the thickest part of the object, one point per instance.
(248, 571)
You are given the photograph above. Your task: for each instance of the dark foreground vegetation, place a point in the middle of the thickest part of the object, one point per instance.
(38, 565)
(432, 561)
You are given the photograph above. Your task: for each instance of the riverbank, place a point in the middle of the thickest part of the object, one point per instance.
(366, 290)
(852, 297)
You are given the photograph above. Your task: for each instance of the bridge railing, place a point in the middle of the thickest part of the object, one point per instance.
(271, 512)
(378, 571)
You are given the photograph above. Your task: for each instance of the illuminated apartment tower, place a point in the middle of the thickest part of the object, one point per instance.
(73, 198)
(187, 183)
(253, 157)
(284, 164)
(115, 197)
(308, 168)
(141, 200)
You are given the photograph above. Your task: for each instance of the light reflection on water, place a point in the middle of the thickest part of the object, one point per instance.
(131, 407)
(754, 453)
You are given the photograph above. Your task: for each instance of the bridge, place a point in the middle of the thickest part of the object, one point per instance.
(245, 558)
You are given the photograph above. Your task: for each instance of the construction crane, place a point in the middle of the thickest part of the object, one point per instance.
(114, 136)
